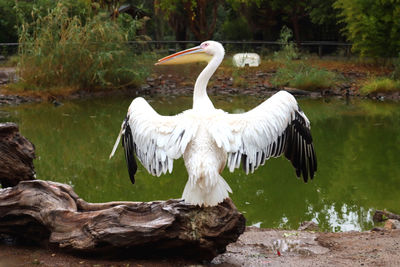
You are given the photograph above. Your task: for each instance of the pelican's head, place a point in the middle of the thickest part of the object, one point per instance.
(204, 52)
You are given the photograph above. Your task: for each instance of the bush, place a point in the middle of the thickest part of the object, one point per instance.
(380, 85)
(303, 76)
(62, 51)
(298, 74)
(288, 50)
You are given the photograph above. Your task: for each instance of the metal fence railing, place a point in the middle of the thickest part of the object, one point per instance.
(262, 47)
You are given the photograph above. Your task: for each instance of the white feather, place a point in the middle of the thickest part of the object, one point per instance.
(206, 137)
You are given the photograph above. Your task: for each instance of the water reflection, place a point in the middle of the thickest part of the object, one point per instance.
(357, 145)
(342, 218)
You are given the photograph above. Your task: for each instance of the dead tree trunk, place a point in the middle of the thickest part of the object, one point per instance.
(382, 215)
(52, 213)
(16, 156)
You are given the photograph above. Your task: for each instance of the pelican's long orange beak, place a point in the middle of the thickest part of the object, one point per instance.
(190, 55)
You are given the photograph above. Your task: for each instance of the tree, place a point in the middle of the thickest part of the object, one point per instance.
(269, 12)
(293, 11)
(176, 17)
(201, 15)
(259, 16)
(322, 12)
(8, 22)
(372, 26)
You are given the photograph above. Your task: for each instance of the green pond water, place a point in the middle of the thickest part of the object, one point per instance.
(357, 144)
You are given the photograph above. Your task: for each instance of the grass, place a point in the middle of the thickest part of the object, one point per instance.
(296, 73)
(379, 85)
(12, 61)
(303, 76)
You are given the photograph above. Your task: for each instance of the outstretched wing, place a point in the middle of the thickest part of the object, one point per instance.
(155, 139)
(275, 127)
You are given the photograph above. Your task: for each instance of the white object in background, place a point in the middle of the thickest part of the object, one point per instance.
(249, 59)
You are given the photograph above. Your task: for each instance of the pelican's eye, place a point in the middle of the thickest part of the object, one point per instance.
(205, 45)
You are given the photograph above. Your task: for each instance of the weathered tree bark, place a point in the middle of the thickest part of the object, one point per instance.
(16, 156)
(382, 215)
(52, 213)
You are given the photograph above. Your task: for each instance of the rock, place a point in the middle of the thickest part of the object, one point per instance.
(8, 75)
(308, 226)
(392, 224)
(15, 100)
(377, 229)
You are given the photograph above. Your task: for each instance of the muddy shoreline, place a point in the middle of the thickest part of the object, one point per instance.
(168, 83)
(256, 247)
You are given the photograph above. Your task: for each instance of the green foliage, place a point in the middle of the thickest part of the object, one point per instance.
(61, 51)
(322, 12)
(288, 50)
(298, 74)
(396, 71)
(7, 21)
(236, 29)
(302, 76)
(12, 61)
(380, 85)
(372, 26)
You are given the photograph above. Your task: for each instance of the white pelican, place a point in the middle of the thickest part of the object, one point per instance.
(210, 138)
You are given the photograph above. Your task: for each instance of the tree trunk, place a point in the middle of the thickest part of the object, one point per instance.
(16, 156)
(296, 29)
(51, 213)
(201, 26)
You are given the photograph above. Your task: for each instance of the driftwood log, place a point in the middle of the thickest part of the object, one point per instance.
(52, 214)
(382, 215)
(16, 156)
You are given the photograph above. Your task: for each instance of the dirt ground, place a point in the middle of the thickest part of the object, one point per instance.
(256, 247)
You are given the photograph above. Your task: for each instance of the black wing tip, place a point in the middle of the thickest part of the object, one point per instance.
(129, 147)
(300, 149)
(132, 177)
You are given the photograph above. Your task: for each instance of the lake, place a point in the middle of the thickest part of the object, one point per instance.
(357, 144)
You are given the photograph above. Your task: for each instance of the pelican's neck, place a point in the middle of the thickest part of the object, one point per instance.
(201, 101)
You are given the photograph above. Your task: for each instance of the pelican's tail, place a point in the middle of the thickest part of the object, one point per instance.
(206, 191)
(117, 141)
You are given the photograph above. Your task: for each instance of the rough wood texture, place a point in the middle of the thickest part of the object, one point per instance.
(382, 215)
(52, 213)
(16, 156)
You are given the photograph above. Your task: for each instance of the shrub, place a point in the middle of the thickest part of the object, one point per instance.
(62, 51)
(288, 50)
(380, 85)
(303, 76)
(298, 74)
